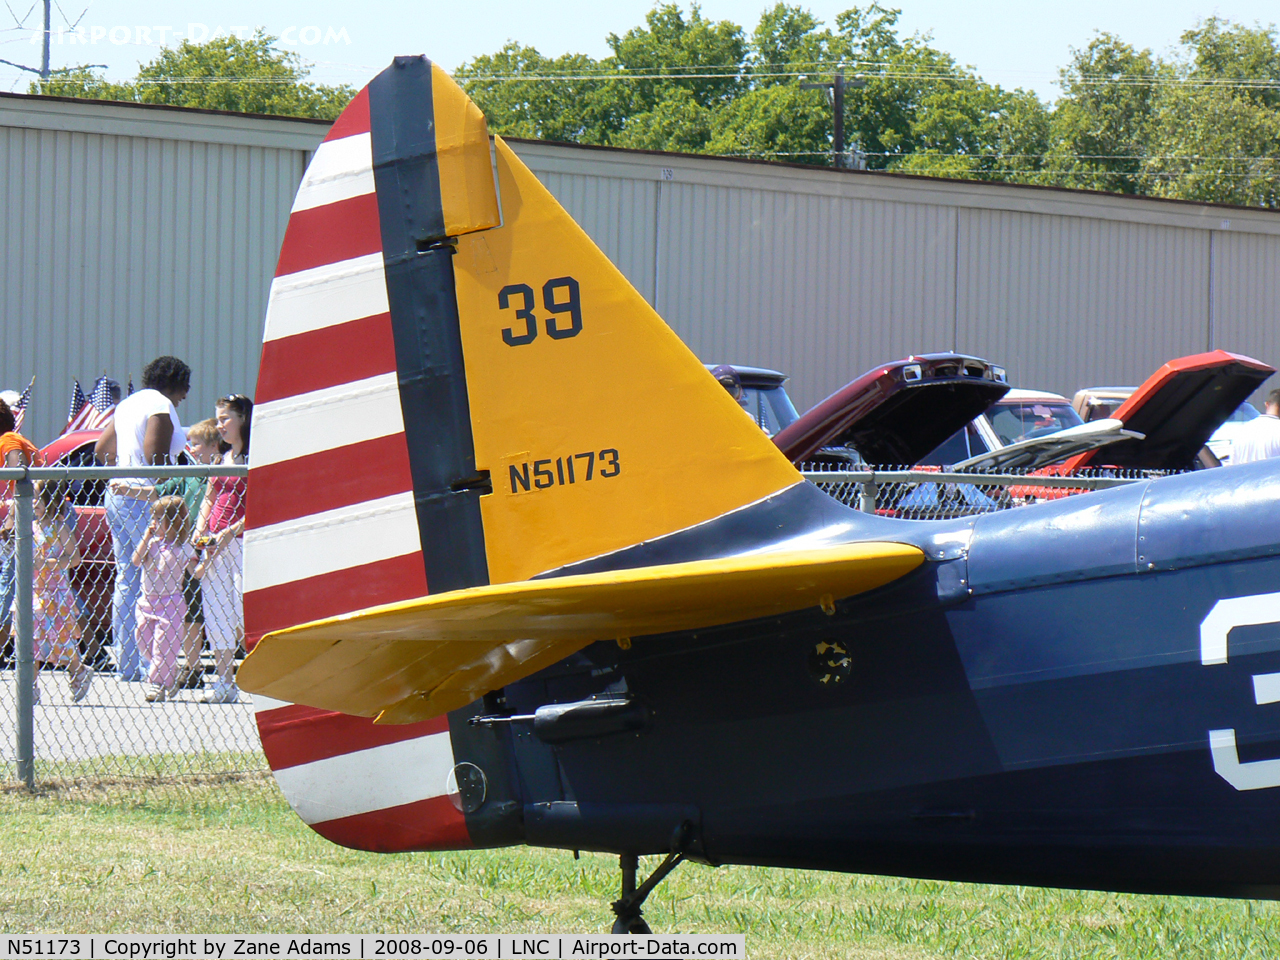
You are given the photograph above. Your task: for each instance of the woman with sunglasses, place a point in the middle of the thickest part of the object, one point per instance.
(220, 529)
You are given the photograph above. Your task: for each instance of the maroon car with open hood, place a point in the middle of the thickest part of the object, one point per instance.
(896, 413)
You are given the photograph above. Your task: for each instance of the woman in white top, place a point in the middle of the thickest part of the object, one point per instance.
(144, 431)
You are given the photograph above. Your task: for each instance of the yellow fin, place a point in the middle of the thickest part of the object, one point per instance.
(598, 427)
(414, 660)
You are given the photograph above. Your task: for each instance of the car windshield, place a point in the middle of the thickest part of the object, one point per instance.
(770, 407)
(961, 445)
(1027, 419)
(1246, 411)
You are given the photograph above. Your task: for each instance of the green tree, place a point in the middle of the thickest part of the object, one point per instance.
(524, 94)
(774, 117)
(786, 41)
(677, 122)
(228, 73)
(697, 68)
(917, 110)
(1020, 133)
(671, 45)
(880, 113)
(1246, 58)
(682, 82)
(1099, 128)
(921, 112)
(966, 128)
(641, 96)
(1202, 126)
(774, 122)
(84, 83)
(1214, 134)
(1214, 145)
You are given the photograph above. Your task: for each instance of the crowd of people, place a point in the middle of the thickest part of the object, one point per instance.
(176, 545)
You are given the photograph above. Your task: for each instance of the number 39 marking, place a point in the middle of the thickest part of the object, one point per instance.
(559, 298)
(1225, 616)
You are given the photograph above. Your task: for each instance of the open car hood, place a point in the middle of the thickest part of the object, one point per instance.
(1178, 408)
(1051, 448)
(898, 412)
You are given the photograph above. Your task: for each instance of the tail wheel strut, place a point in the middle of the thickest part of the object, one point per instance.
(627, 907)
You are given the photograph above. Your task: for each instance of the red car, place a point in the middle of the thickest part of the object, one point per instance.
(897, 412)
(1177, 409)
(94, 578)
(1161, 425)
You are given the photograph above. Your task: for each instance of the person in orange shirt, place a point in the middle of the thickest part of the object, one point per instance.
(15, 451)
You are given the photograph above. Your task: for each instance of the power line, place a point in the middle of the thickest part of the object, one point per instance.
(748, 73)
(44, 71)
(1046, 171)
(23, 20)
(153, 81)
(1030, 156)
(912, 76)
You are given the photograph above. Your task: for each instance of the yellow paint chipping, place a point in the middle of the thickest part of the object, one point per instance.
(410, 661)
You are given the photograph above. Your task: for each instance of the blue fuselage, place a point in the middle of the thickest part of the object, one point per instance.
(1081, 693)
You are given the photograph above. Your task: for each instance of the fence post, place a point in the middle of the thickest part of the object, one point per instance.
(867, 496)
(23, 641)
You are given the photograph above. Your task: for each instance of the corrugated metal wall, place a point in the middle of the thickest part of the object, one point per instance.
(807, 284)
(1067, 302)
(118, 247)
(1246, 293)
(824, 274)
(129, 232)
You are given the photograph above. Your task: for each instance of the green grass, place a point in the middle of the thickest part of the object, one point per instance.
(158, 769)
(226, 855)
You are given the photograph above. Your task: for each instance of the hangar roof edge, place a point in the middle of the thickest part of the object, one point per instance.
(917, 188)
(160, 121)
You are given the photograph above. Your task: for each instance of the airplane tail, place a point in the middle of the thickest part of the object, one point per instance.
(457, 390)
(457, 387)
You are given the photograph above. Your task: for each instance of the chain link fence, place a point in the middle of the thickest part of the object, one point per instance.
(123, 615)
(123, 626)
(933, 494)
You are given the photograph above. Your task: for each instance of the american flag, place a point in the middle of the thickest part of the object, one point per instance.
(20, 408)
(93, 413)
(77, 404)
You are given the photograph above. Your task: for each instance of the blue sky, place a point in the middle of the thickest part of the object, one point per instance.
(1014, 44)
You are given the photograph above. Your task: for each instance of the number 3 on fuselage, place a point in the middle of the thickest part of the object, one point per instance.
(1214, 628)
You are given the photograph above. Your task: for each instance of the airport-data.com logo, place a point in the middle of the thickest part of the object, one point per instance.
(310, 35)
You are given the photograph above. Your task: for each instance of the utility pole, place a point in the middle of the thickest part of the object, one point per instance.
(835, 95)
(48, 29)
(45, 71)
(837, 109)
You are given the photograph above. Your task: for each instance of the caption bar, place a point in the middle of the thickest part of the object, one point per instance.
(496, 946)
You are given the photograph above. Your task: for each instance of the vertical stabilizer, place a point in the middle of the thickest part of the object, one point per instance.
(457, 388)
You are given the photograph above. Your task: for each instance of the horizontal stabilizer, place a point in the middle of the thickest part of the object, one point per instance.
(409, 661)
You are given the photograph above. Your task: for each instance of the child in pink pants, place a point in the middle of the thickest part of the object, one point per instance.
(163, 553)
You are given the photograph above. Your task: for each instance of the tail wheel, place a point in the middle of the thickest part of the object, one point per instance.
(631, 925)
